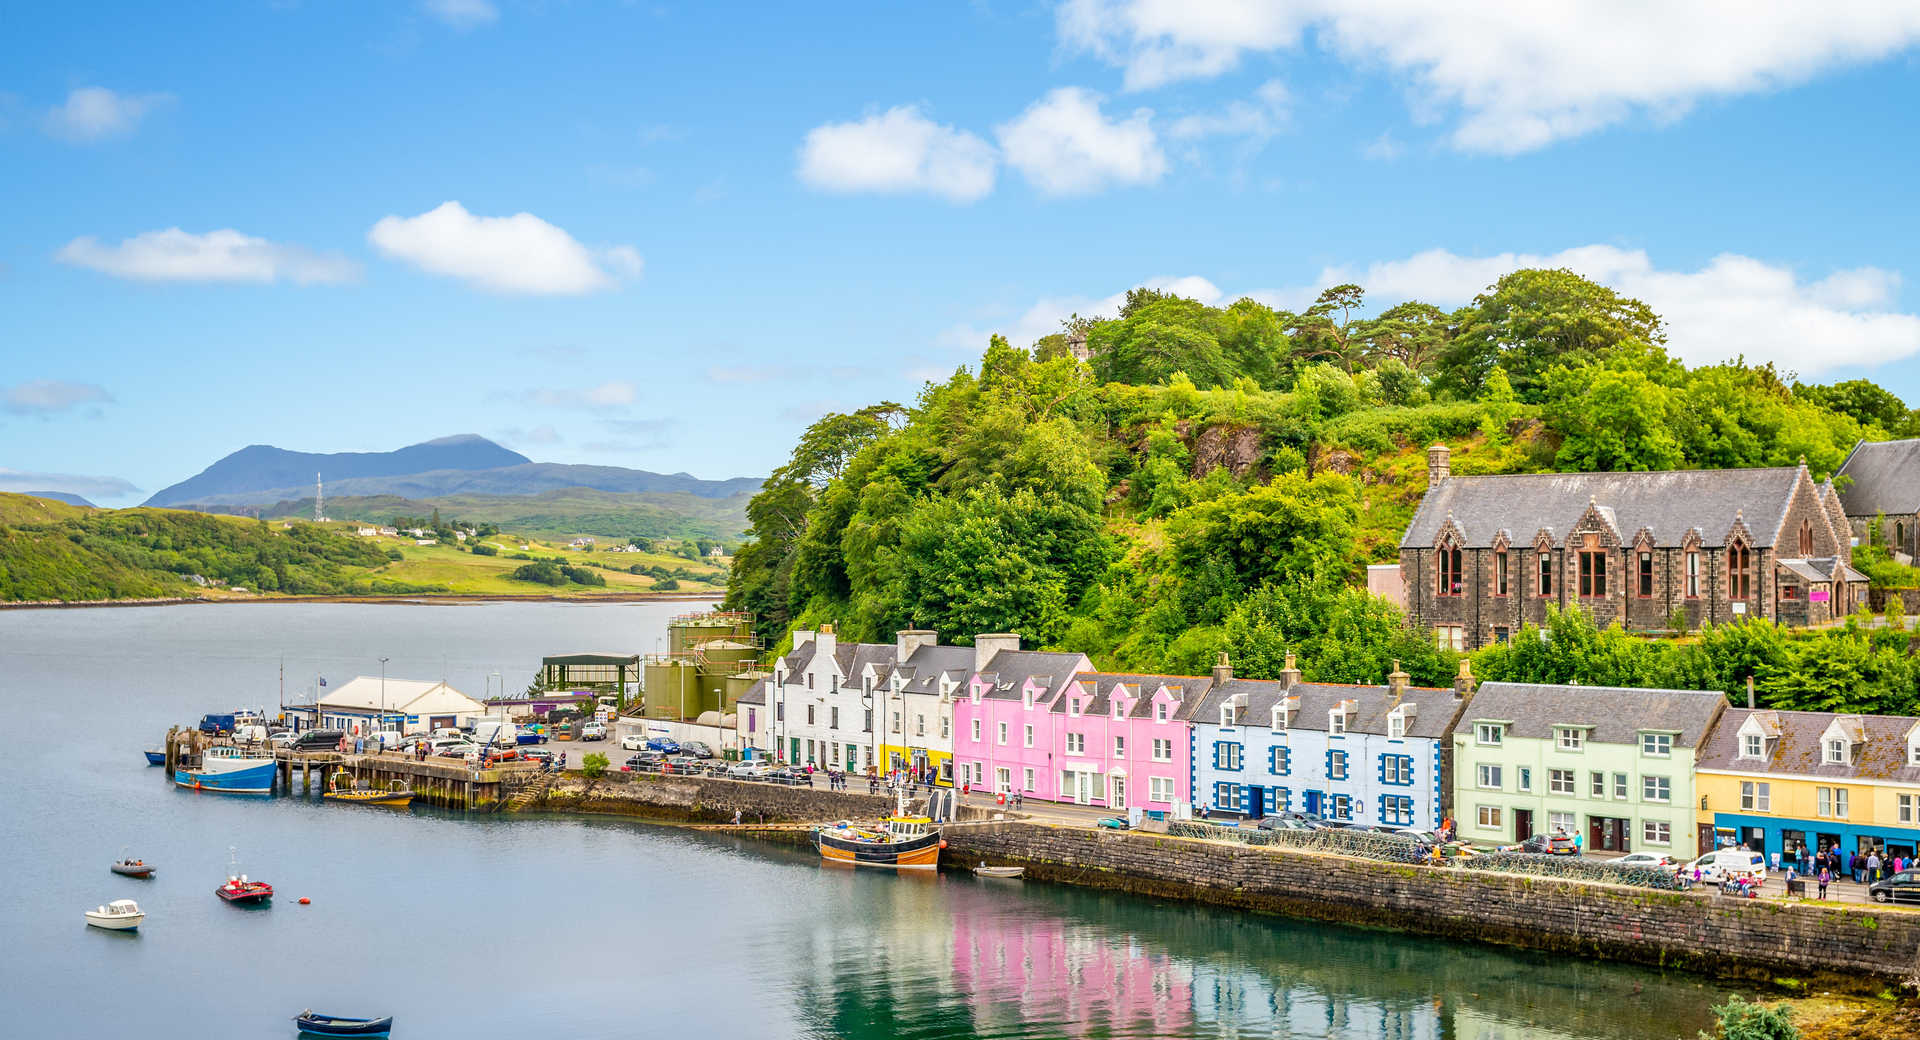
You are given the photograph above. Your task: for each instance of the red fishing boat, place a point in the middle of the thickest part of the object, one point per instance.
(242, 889)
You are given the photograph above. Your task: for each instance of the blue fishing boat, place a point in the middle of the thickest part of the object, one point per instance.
(156, 758)
(316, 1024)
(230, 770)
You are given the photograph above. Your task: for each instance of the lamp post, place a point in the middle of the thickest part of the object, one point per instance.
(383, 691)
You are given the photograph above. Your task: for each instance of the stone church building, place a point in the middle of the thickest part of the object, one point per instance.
(1883, 484)
(1486, 554)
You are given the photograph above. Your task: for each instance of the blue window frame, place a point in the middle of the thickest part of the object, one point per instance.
(1226, 755)
(1336, 765)
(1396, 770)
(1396, 809)
(1279, 800)
(1280, 761)
(1343, 807)
(1226, 797)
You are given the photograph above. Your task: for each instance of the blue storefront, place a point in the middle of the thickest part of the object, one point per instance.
(1773, 835)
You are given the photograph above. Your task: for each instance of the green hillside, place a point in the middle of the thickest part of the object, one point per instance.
(1217, 478)
(564, 513)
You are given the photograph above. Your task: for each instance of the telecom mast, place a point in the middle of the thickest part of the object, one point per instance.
(319, 499)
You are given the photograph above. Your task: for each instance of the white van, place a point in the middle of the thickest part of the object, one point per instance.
(1716, 866)
(249, 734)
(495, 732)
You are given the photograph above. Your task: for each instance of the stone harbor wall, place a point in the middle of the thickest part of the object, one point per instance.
(1747, 938)
(704, 799)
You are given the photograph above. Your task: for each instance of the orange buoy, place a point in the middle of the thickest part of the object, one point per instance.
(943, 843)
(304, 900)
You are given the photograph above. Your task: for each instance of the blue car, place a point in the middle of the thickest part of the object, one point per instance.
(664, 745)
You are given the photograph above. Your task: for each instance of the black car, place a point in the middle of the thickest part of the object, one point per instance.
(697, 749)
(791, 776)
(644, 762)
(1903, 887)
(318, 740)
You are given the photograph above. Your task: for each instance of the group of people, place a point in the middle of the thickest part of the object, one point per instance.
(1862, 866)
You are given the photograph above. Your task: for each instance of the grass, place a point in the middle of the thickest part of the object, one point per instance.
(16, 510)
(463, 573)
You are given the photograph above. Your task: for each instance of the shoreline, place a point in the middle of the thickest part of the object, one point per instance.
(422, 599)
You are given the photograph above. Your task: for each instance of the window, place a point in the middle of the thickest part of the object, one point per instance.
(1756, 796)
(1656, 789)
(1336, 765)
(1396, 769)
(1752, 745)
(1525, 778)
(1693, 574)
(1280, 718)
(1226, 797)
(920, 725)
(1119, 709)
(809, 680)
(1646, 575)
(1279, 799)
(1162, 750)
(1806, 539)
(1119, 747)
(780, 712)
(1396, 726)
(1570, 738)
(1500, 572)
(1836, 752)
(1073, 706)
(944, 723)
(896, 722)
(1003, 734)
(1160, 789)
(1228, 715)
(1490, 818)
(1336, 723)
(809, 714)
(1907, 804)
(1160, 711)
(1560, 781)
(1502, 634)
(1026, 779)
(1593, 573)
(1657, 832)
(1280, 761)
(1823, 801)
(1487, 733)
(868, 724)
(1026, 737)
(1739, 573)
(1076, 743)
(1448, 572)
(1003, 779)
(1342, 807)
(1546, 573)
(1839, 803)
(1226, 755)
(1620, 787)
(1396, 809)
(1913, 754)
(1659, 745)
(1598, 786)
(976, 731)
(833, 718)
(1561, 822)
(1450, 637)
(1490, 777)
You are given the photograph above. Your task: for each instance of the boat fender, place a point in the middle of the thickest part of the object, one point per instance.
(304, 900)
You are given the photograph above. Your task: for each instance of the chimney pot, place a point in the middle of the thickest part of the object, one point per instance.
(1222, 669)
(1290, 675)
(1439, 464)
(987, 644)
(1463, 683)
(1397, 683)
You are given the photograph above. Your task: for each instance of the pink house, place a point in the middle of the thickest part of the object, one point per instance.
(1116, 741)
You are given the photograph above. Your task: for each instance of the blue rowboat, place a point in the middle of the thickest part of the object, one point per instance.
(227, 769)
(156, 758)
(334, 1025)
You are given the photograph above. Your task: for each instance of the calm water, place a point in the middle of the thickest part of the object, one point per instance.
(486, 927)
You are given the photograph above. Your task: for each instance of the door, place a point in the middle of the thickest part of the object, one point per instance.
(1117, 792)
(1522, 824)
(1251, 798)
(1704, 839)
(1082, 788)
(1755, 838)
(1313, 799)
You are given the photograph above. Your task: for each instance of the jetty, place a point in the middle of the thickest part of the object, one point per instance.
(449, 783)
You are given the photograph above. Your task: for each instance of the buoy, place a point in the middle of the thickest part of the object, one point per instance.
(304, 900)
(943, 843)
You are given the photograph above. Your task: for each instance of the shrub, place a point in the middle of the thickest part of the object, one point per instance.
(594, 766)
(1740, 1020)
(483, 549)
(543, 573)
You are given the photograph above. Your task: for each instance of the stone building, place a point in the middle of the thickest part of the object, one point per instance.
(1487, 554)
(1883, 484)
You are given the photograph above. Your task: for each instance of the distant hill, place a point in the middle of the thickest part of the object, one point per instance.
(63, 496)
(263, 473)
(561, 513)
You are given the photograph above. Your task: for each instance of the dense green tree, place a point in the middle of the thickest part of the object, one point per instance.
(1532, 320)
(1613, 417)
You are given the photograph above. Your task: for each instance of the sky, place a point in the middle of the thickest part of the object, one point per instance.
(670, 236)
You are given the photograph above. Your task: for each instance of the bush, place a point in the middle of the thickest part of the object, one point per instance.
(666, 585)
(1740, 1020)
(543, 573)
(483, 549)
(582, 576)
(594, 766)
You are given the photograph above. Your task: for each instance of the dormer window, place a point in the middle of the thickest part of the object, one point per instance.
(1026, 698)
(1396, 726)
(1913, 754)
(1569, 738)
(1073, 706)
(1336, 722)
(1753, 745)
(1836, 752)
(1119, 708)
(1280, 717)
(1160, 711)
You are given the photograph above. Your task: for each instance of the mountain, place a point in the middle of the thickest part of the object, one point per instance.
(262, 473)
(62, 496)
(528, 478)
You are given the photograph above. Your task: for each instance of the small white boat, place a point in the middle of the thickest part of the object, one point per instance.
(1001, 872)
(121, 915)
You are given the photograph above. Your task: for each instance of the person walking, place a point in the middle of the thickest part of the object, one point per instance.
(1826, 876)
(1856, 865)
(1873, 864)
(1579, 844)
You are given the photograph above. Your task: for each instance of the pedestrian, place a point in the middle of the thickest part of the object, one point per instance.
(1873, 864)
(1825, 877)
(1579, 842)
(1016, 800)
(736, 817)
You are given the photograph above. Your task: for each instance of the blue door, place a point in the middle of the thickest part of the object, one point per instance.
(1313, 803)
(1250, 796)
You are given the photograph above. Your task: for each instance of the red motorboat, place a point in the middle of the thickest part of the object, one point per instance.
(242, 889)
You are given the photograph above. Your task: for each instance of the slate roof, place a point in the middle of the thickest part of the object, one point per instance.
(1009, 670)
(1669, 504)
(1434, 709)
(1613, 714)
(1886, 478)
(1823, 569)
(926, 664)
(1797, 751)
(1190, 690)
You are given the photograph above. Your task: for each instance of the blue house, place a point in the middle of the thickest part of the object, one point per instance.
(1359, 754)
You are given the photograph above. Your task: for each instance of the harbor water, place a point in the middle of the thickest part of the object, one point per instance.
(469, 927)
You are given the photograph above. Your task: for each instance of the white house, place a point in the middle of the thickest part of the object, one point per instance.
(410, 705)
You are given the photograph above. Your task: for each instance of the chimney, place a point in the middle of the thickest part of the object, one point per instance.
(907, 640)
(801, 637)
(1397, 684)
(1290, 675)
(986, 644)
(827, 641)
(1439, 464)
(1463, 683)
(1749, 693)
(1222, 669)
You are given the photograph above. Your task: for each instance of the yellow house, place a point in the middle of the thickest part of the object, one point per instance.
(1777, 781)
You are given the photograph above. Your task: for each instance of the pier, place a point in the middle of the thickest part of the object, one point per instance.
(449, 783)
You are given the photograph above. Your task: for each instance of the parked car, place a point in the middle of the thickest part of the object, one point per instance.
(282, 740)
(644, 762)
(790, 775)
(1646, 860)
(1903, 887)
(664, 745)
(540, 755)
(1283, 823)
(749, 770)
(1113, 823)
(1545, 845)
(1423, 837)
(319, 740)
(633, 742)
(697, 748)
(593, 731)
(1717, 866)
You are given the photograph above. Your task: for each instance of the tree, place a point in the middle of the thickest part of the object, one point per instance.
(1412, 333)
(1867, 402)
(1612, 418)
(1324, 331)
(1533, 319)
(1296, 529)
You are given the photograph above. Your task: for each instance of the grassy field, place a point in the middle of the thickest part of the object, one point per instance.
(560, 514)
(17, 510)
(464, 573)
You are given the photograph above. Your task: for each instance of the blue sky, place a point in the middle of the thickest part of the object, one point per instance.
(668, 237)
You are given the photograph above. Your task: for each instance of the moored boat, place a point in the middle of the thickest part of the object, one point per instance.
(900, 842)
(999, 872)
(241, 889)
(344, 789)
(311, 1021)
(228, 770)
(133, 868)
(156, 758)
(121, 915)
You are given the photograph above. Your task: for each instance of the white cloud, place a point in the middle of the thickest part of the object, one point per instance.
(1064, 145)
(1735, 305)
(1521, 75)
(897, 151)
(88, 487)
(225, 255)
(517, 254)
(94, 113)
(1383, 148)
(1261, 117)
(615, 394)
(48, 396)
(462, 14)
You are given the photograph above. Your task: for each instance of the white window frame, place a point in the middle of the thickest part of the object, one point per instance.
(1753, 745)
(1569, 738)
(1026, 776)
(1002, 731)
(1562, 781)
(1756, 796)
(1337, 765)
(1656, 745)
(1489, 771)
(1160, 712)
(1564, 822)
(1162, 750)
(1119, 746)
(1905, 805)
(1654, 788)
(1076, 743)
(1656, 832)
(1489, 818)
(1336, 723)
(1027, 735)
(1160, 789)
(1073, 707)
(1835, 752)
(1488, 734)
(975, 728)
(1597, 785)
